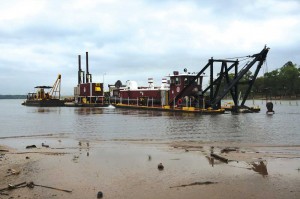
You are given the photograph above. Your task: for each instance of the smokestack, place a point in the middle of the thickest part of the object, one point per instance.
(87, 67)
(79, 69)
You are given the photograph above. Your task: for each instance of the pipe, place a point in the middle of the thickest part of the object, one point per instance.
(87, 67)
(79, 69)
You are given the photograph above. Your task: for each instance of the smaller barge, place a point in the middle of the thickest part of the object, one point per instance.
(41, 98)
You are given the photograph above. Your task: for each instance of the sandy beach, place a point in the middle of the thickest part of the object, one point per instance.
(129, 169)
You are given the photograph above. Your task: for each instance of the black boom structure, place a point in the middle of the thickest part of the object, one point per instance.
(228, 83)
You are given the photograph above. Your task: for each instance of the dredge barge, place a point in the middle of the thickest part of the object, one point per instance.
(184, 92)
(162, 98)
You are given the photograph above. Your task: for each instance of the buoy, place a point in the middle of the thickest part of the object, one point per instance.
(270, 110)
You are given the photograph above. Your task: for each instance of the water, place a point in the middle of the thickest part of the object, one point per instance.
(282, 128)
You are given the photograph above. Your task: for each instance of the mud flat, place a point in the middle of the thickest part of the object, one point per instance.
(68, 168)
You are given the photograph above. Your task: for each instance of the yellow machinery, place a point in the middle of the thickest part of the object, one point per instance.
(55, 90)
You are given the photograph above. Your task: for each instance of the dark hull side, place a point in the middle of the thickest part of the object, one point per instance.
(196, 111)
(85, 105)
(44, 103)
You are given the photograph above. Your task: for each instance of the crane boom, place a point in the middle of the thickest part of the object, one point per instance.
(55, 90)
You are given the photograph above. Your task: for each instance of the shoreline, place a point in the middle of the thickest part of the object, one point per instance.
(128, 169)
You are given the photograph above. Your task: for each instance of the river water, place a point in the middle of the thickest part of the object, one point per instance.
(110, 124)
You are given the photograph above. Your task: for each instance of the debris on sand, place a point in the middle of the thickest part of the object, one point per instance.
(11, 186)
(32, 185)
(100, 194)
(30, 146)
(45, 145)
(12, 172)
(160, 166)
(218, 157)
(75, 158)
(260, 168)
(229, 149)
(195, 183)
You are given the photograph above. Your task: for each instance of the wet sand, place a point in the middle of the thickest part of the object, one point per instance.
(128, 169)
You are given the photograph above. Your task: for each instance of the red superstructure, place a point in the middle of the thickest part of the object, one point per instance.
(86, 91)
(169, 89)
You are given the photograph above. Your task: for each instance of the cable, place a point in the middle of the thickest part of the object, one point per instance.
(238, 57)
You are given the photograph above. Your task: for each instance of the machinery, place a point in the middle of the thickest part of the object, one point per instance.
(212, 95)
(44, 99)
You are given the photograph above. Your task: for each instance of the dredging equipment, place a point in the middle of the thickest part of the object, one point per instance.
(183, 91)
(42, 98)
(230, 84)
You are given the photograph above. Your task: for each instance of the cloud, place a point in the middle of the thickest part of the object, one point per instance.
(137, 39)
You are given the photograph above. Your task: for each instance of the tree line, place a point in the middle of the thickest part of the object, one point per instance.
(279, 83)
(12, 96)
(282, 83)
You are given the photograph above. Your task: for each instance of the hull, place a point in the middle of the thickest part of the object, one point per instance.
(241, 110)
(169, 109)
(71, 104)
(44, 103)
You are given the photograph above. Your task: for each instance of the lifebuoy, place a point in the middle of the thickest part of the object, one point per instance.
(179, 101)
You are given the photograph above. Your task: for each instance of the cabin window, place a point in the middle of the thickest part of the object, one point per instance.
(172, 81)
(177, 81)
(199, 81)
(186, 81)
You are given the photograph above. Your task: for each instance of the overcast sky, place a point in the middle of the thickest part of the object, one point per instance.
(134, 40)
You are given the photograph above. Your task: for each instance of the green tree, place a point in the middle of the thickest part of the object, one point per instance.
(271, 83)
(289, 77)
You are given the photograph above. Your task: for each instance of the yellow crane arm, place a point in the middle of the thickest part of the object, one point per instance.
(55, 90)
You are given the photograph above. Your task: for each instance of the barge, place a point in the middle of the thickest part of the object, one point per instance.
(162, 98)
(184, 92)
(229, 106)
(87, 93)
(42, 98)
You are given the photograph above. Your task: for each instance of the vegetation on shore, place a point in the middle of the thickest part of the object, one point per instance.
(12, 96)
(282, 83)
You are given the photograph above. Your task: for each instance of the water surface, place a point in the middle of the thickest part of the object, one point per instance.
(282, 128)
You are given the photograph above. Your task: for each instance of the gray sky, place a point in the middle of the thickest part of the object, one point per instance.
(134, 40)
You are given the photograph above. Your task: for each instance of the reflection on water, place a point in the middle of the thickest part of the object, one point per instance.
(260, 167)
(113, 124)
(88, 110)
(45, 110)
